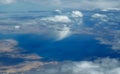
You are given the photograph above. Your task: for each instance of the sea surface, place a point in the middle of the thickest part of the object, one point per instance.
(76, 47)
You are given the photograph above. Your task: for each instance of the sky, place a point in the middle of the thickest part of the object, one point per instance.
(24, 5)
(105, 28)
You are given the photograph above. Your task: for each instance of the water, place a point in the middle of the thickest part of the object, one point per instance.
(74, 48)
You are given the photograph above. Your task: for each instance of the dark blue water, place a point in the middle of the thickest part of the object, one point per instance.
(8, 61)
(75, 47)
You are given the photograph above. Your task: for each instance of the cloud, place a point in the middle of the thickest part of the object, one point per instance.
(63, 33)
(111, 9)
(53, 4)
(83, 3)
(31, 63)
(17, 61)
(77, 14)
(7, 45)
(107, 32)
(88, 4)
(58, 18)
(7, 1)
(97, 15)
(101, 66)
(105, 27)
(62, 24)
(61, 30)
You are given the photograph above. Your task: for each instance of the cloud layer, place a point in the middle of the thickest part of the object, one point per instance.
(101, 66)
(31, 63)
(16, 60)
(53, 4)
(60, 25)
(7, 1)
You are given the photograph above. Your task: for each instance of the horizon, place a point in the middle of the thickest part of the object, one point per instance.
(37, 5)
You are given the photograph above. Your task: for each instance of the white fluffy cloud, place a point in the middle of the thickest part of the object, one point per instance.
(77, 14)
(101, 66)
(60, 25)
(58, 18)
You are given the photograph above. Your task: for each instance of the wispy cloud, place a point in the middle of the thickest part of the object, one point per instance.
(90, 4)
(7, 1)
(17, 60)
(101, 66)
(82, 4)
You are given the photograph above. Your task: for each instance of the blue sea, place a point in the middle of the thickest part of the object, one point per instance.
(76, 47)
